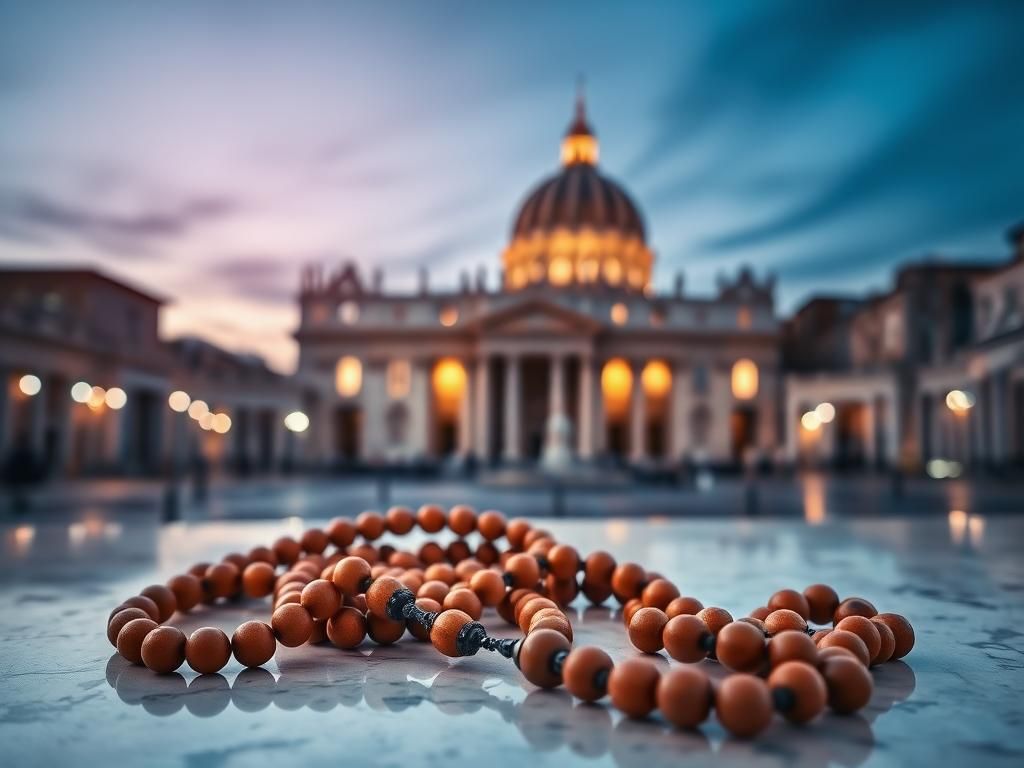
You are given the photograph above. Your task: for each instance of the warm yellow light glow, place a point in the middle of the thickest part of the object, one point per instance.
(221, 423)
(959, 401)
(179, 401)
(826, 412)
(810, 421)
(744, 319)
(579, 148)
(448, 316)
(656, 379)
(616, 385)
(399, 379)
(81, 391)
(296, 421)
(348, 376)
(29, 384)
(348, 312)
(619, 313)
(197, 409)
(637, 278)
(613, 271)
(115, 398)
(744, 379)
(560, 271)
(206, 421)
(97, 398)
(449, 381)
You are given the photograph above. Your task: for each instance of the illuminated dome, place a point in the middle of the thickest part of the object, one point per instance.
(578, 227)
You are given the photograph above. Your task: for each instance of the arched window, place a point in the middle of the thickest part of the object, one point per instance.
(398, 424)
(348, 376)
(744, 379)
(616, 385)
(399, 379)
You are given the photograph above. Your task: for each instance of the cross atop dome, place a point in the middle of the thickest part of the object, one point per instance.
(580, 143)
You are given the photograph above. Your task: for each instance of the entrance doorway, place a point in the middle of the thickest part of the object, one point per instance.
(742, 431)
(348, 424)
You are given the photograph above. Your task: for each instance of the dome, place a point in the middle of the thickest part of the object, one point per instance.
(578, 226)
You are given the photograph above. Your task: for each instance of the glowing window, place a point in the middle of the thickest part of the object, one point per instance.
(348, 376)
(449, 381)
(613, 271)
(348, 312)
(616, 384)
(560, 271)
(656, 379)
(744, 318)
(517, 277)
(620, 313)
(589, 269)
(448, 316)
(744, 379)
(636, 277)
(399, 379)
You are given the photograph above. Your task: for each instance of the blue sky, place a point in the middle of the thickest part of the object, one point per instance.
(208, 150)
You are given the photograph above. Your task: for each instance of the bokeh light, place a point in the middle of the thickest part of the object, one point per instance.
(115, 398)
(296, 421)
(179, 401)
(198, 409)
(81, 391)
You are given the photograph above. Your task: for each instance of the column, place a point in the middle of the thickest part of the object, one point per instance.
(482, 410)
(677, 426)
(464, 438)
(556, 386)
(512, 441)
(421, 406)
(870, 430)
(586, 417)
(637, 427)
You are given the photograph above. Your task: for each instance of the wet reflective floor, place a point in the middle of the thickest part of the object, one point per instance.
(956, 700)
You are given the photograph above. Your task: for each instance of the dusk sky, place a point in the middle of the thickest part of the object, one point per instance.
(206, 151)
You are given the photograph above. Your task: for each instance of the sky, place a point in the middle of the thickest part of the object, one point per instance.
(206, 151)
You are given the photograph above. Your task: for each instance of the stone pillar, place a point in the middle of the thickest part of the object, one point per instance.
(870, 431)
(464, 437)
(999, 414)
(556, 386)
(678, 397)
(587, 416)
(637, 417)
(482, 408)
(421, 407)
(512, 439)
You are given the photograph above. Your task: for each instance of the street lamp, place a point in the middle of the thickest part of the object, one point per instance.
(296, 421)
(30, 384)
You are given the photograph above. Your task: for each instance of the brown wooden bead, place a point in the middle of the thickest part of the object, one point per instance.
(221, 580)
(743, 704)
(445, 632)
(633, 687)
(319, 633)
(350, 575)
(791, 600)
(516, 530)
(263, 555)
(524, 570)
(866, 630)
(902, 632)
(237, 559)
(754, 623)
(292, 625)
(164, 598)
(370, 525)
(378, 595)
(321, 599)
(562, 591)
(798, 690)
(740, 647)
(529, 608)
(659, 593)
(120, 618)
(854, 606)
(435, 590)
(684, 638)
(831, 652)
(416, 629)
(199, 569)
(784, 620)
(684, 696)
(791, 646)
(628, 581)
(411, 581)
(563, 561)
(400, 520)
(848, 683)
(630, 608)
(441, 572)
(163, 650)
(129, 639)
(534, 535)
(144, 604)
(464, 600)
(714, 618)
(292, 597)
(488, 586)
(684, 606)
(187, 589)
(491, 524)
(462, 519)
(384, 631)
(287, 550)
(551, 619)
(822, 601)
(341, 532)
(466, 568)
(848, 640)
(506, 608)
(346, 628)
(368, 552)
(258, 579)
(888, 642)
(819, 635)
(253, 644)
(535, 655)
(760, 613)
(458, 551)
(585, 672)
(597, 576)
(645, 628)
(431, 518)
(207, 650)
(314, 540)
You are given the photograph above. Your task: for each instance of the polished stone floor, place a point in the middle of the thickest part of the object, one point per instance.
(66, 699)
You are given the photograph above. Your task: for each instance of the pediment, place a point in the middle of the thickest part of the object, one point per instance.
(536, 317)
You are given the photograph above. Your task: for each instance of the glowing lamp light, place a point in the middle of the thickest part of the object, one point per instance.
(959, 401)
(115, 398)
(744, 379)
(656, 379)
(620, 313)
(30, 384)
(198, 409)
(810, 421)
(826, 412)
(296, 421)
(449, 379)
(97, 398)
(81, 391)
(221, 423)
(449, 316)
(206, 421)
(348, 376)
(179, 401)
(616, 385)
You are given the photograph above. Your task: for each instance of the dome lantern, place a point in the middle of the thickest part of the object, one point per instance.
(580, 143)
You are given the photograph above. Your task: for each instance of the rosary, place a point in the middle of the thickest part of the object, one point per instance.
(777, 662)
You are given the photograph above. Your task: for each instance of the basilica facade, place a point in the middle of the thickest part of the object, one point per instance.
(573, 359)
